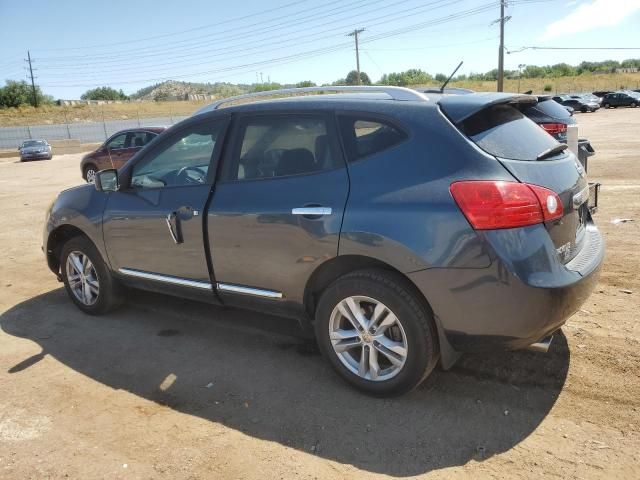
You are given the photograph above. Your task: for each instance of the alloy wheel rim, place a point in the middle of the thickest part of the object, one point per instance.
(91, 176)
(368, 338)
(82, 278)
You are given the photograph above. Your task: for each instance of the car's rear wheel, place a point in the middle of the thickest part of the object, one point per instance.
(584, 109)
(87, 279)
(606, 105)
(376, 332)
(90, 173)
(633, 104)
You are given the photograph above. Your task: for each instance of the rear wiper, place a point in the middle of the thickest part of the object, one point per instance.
(552, 151)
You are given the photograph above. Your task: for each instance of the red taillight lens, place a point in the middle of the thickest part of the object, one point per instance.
(554, 128)
(491, 205)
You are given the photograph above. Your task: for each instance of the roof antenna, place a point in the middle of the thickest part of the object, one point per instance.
(446, 82)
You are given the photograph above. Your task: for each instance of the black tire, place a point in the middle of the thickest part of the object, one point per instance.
(413, 315)
(606, 105)
(110, 295)
(633, 105)
(584, 109)
(87, 169)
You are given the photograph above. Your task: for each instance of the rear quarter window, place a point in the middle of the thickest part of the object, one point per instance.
(503, 131)
(364, 136)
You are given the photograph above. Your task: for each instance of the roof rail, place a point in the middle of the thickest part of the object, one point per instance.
(396, 93)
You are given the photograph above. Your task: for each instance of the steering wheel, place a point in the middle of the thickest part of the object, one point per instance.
(192, 175)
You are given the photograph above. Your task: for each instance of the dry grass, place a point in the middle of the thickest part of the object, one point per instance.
(91, 113)
(122, 111)
(582, 83)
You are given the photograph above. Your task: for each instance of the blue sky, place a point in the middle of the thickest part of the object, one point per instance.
(82, 44)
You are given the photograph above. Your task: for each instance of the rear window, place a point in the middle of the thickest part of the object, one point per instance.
(503, 131)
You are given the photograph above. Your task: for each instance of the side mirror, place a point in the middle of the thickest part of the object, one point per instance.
(107, 180)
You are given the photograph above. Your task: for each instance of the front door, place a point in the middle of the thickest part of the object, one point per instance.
(276, 212)
(153, 227)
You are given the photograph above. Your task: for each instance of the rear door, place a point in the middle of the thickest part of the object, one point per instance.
(277, 209)
(520, 145)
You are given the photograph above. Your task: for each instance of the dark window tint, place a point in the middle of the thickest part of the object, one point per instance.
(546, 108)
(138, 139)
(281, 145)
(182, 160)
(363, 137)
(504, 131)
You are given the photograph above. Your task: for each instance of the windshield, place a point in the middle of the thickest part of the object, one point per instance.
(503, 131)
(34, 143)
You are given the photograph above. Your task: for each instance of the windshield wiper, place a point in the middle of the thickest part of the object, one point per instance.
(553, 151)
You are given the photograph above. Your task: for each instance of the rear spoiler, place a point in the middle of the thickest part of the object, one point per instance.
(460, 107)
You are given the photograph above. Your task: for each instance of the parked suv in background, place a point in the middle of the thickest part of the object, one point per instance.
(404, 229)
(117, 150)
(35, 150)
(620, 99)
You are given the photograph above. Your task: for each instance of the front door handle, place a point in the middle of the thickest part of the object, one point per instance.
(174, 227)
(311, 211)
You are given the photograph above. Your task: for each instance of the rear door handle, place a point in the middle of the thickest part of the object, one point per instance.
(311, 211)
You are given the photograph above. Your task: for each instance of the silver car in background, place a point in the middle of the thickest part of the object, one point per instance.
(35, 150)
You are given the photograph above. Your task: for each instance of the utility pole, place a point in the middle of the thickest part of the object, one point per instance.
(520, 67)
(501, 51)
(33, 84)
(355, 34)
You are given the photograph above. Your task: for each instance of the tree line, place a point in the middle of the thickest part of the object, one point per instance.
(14, 93)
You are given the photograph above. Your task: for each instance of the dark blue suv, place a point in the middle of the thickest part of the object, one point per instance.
(405, 230)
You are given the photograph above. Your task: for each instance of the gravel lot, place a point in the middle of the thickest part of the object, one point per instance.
(165, 388)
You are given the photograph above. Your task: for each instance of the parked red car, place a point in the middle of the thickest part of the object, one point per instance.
(115, 152)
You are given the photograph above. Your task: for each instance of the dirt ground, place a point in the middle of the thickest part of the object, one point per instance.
(165, 388)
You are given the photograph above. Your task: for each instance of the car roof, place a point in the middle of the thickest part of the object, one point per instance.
(156, 129)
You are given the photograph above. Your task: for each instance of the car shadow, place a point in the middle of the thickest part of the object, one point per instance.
(258, 375)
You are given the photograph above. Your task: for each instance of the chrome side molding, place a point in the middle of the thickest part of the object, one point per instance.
(183, 282)
(256, 292)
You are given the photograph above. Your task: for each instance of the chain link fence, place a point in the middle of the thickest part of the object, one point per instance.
(85, 132)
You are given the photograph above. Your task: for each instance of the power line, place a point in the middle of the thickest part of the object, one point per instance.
(383, 35)
(319, 51)
(229, 52)
(572, 48)
(165, 35)
(242, 46)
(236, 32)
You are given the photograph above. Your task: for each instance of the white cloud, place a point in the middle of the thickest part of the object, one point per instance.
(591, 15)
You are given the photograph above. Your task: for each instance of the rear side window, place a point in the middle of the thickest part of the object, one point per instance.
(365, 136)
(282, 145)
(503, 131)
(550, 108)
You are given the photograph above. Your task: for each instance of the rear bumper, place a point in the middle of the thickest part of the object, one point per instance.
(522, 297)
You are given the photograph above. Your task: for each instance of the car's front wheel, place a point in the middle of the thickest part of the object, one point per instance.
(376, 332)
(633, 104)
(90, 173)
(87, 279)
(606, 105)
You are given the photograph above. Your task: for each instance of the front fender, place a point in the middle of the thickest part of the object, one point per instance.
(78, 209)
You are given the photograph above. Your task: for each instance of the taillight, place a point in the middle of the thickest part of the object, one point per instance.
(491, 205)
(554, 128)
